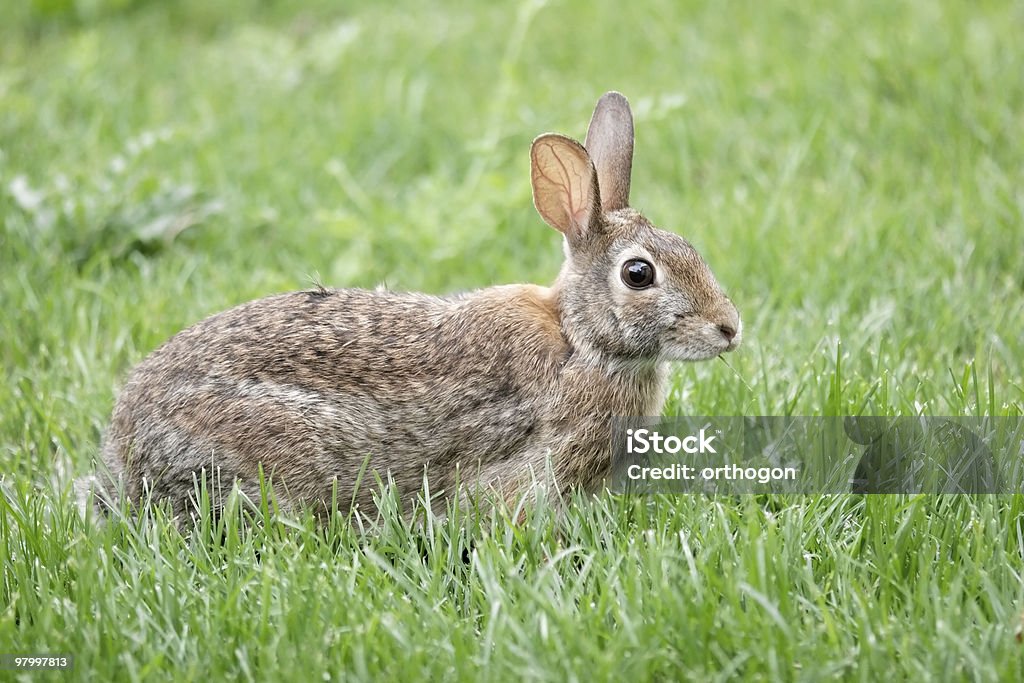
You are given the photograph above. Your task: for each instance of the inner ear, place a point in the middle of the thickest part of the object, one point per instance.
(610, 145)
(565, 189)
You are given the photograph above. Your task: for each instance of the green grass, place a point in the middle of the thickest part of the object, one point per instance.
(852, 174)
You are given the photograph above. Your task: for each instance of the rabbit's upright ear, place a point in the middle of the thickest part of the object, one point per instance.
(565, 188)
(610, 145)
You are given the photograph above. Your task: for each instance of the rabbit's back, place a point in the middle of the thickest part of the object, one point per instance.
(310, 384)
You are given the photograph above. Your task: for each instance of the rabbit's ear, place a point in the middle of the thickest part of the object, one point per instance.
(565, 188)
(610, 144)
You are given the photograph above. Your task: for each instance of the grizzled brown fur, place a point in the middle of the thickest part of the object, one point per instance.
(494, 384)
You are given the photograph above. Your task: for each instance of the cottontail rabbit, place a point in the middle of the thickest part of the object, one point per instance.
(486, 388)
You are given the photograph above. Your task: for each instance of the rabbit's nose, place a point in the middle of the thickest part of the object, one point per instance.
(729, 326)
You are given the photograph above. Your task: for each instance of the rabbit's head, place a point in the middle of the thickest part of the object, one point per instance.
(627, 289)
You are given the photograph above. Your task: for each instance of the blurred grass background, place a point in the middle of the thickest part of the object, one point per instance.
(852, 172)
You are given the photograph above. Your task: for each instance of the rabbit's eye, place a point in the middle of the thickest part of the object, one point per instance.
(637, 274)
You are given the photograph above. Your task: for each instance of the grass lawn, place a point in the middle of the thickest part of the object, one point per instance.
(854, 175)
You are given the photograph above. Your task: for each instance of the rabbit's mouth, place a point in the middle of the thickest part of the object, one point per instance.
(694, 338)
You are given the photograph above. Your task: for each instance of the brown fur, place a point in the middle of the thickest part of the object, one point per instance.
(488, 387)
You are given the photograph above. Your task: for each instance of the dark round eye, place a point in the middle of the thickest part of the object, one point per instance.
(637, 274)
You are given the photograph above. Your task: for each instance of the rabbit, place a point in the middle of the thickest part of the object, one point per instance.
(477, 391)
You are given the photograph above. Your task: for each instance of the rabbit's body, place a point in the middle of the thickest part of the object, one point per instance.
(488, 388)
(300, 383)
